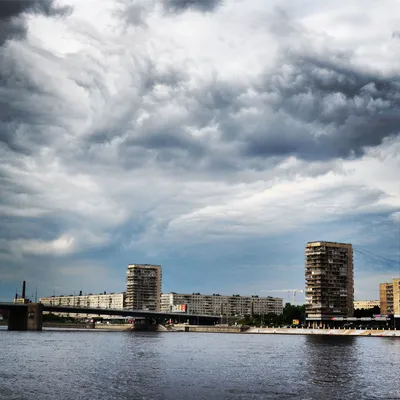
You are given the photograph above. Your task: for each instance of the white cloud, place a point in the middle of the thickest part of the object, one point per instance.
(60, 246)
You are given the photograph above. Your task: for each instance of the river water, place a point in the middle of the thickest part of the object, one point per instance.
(70, 365)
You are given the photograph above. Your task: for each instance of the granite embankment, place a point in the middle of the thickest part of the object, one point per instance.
(204, 328)
(278, 331)
(103, 327)
(338, 332)
(227, 329)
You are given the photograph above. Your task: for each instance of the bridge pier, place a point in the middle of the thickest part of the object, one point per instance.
(26, 318)
(18, 319)
(35, 317)
(145, 324)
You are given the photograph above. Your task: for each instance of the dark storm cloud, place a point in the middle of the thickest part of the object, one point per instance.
(313, 108)
(27, 104)
(134, 12)
(12, 12)
(200, 5)
(21, 120)
(325, 108)
(316, 108)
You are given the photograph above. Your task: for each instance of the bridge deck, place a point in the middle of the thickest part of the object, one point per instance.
(108, 311)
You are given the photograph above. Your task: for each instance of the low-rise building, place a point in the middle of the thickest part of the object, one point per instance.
(21, 300)
(217, 304)
(115, 301)
(366, 304)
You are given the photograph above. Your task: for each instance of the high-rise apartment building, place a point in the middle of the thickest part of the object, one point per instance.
(329, 280)
(389, 294)
(217, 304)
(143, 287)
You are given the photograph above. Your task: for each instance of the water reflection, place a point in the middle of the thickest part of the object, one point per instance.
(332, 363)
(181, 366)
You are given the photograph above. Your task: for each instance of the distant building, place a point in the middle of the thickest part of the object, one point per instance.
(329, 280)
(216, 304)
(396, 296)
(143, 287)
(20, 300)
(366, 304)
(115, 301)
(389, 295)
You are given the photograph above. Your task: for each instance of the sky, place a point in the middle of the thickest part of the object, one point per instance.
(213, 137)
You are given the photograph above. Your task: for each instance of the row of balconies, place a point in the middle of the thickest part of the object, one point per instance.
(324, 258)
(341, 282)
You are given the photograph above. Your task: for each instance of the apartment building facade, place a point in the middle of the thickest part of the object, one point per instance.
(389, 294)
(329, 274)
(366, 304)
(386, 298)
(114, 301)
(217, 304)
(143, 287)
(396, 296)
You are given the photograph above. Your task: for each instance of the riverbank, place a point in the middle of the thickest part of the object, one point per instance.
(283, 331)
(328, 332)
(224, 329)
(102, 327)
(206, 328)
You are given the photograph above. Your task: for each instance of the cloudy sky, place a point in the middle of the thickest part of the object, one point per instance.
(213, 137)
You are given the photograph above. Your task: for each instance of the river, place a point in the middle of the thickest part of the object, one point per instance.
(71, 365)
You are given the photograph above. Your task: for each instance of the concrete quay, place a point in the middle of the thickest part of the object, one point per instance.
(327, 332)
(205, 328)
(88, 326)
(280, 331)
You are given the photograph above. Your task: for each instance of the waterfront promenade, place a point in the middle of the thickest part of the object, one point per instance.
(337, 332)
(228, 329)
(285, 331)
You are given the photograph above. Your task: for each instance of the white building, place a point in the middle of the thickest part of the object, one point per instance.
(115, 301)
(216, 304)
(366, 304)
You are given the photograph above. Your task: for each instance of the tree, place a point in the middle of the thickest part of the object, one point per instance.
(290, 312)
(367, 312)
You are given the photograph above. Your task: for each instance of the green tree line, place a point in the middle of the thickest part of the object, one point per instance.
(290, 313)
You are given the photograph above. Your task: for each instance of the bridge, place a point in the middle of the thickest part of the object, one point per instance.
(29, 317)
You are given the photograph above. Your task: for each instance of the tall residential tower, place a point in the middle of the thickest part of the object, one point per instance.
(143, 287)
(329, 280)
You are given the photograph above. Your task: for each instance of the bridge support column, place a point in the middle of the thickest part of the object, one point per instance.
(35, 316)
(145, 324)
(26, 318)
(18, 319)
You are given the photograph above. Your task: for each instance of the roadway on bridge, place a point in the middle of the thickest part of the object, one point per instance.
(114, 312)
